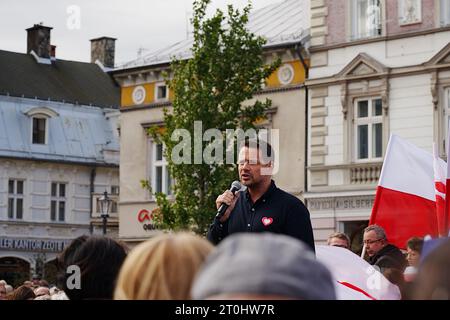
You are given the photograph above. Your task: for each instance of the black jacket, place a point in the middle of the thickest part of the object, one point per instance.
(276, 211)
(389, 257)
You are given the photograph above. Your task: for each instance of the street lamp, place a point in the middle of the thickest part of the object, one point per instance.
(105, 205)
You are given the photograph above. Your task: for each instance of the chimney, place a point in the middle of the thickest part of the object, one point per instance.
(38, 40)
(103, 49)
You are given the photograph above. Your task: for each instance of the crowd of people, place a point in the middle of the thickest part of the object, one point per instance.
(183, 266)
(264, 250)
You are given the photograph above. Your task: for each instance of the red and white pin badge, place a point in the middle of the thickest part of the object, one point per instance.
(266, 221)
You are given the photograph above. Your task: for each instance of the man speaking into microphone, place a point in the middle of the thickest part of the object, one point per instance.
(262, 207)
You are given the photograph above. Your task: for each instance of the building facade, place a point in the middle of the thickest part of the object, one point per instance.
(377, 67)
(59, 151)
(144, 94)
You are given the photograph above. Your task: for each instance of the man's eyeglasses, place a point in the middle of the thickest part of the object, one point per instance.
(371, 241)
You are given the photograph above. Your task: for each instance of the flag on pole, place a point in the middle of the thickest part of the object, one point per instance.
(444, 220)
(405, 202)
(440, 180)
(354, 277)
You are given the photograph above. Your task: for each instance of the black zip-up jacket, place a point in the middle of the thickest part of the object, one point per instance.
(389, 257)
(276, 211)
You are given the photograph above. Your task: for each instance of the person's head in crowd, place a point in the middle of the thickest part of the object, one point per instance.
(339, 239)
(22, 293)
(28, 284)
(433, 279)
(9, 289)
(162, 268)
(99, 260)
(3, 283)
(54, 290)
(41, 291)
(374, 239)
(2, 291)
(43, 283)
(60, 295)
(261, 266)
(414, 250)
(43, 297)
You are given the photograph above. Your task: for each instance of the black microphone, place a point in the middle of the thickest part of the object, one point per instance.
(235, 186)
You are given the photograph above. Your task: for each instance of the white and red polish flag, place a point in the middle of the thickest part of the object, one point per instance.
(440, 181)
(405, 203)
(444, 219)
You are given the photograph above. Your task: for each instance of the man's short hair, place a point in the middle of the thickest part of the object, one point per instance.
(339, 235)
(266, 149)
(379, 231)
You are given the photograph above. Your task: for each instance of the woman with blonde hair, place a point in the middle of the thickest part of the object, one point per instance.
(162, 268)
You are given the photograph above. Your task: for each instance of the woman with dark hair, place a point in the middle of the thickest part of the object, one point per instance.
(22, 293)
(414, 250)
(89, 267)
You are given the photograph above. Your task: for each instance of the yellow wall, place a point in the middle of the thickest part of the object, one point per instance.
(299, 74)
(272, 82)
(127, 95)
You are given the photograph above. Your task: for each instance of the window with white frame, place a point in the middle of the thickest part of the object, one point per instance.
(161, 91)
(39, 130)
(58, 202)
(15, 199)
(161, 180)
(445, 12)
(365, 18)
(368, 129)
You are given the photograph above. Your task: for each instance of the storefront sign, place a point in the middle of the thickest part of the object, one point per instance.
(39, 245)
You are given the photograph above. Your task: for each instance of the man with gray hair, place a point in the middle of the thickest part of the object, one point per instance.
(380, 252)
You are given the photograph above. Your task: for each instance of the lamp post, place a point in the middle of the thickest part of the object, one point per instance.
(105, 205)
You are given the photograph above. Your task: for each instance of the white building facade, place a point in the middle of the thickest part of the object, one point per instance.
(377, 68)
(59, 151)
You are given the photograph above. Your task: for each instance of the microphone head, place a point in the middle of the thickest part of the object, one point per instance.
(236, 185)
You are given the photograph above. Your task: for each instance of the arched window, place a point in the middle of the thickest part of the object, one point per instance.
(39, 124)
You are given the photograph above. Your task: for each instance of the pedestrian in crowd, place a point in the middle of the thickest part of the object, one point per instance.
(42, 291)
(261, 266)
(28, 284)
(381, 253)
(99, 260)
(162, 268)
(22, 293)
(9, 289)
(44, 283)
(433, 279)
(339, 239)
(60, 295)
(414, 250)
(263, 206)
(2, 291)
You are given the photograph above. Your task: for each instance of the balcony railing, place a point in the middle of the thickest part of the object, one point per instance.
(367, 173)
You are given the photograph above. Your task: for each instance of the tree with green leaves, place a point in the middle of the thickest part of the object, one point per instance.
(226, 69)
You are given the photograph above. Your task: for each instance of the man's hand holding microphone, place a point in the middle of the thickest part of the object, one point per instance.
(226, 201)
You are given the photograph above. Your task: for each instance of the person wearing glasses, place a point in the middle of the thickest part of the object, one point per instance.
(339, 239)
(381, 253)
(262, 207)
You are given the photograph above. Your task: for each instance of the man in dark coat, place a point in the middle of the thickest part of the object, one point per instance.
(380, 252)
